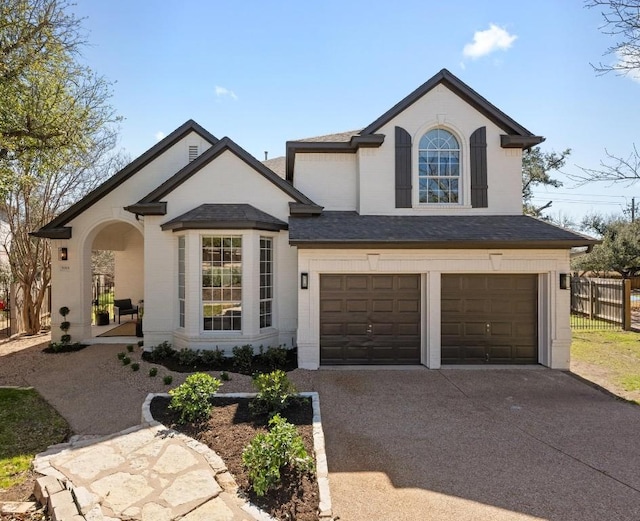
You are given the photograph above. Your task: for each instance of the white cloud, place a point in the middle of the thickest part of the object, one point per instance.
(628, 60)
(223, 91)
(159, 135)
(485, 42)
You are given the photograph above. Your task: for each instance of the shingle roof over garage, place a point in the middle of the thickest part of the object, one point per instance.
(342, 229)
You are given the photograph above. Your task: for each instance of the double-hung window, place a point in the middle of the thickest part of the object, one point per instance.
(439, 168)
(266, 281)
(222, 283)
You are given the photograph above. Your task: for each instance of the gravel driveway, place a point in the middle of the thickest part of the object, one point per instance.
(489, 444)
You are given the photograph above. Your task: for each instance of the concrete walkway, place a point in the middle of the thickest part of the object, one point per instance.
(146, 473)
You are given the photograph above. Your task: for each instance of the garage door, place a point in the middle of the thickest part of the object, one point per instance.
(369, 319)
(489, 319)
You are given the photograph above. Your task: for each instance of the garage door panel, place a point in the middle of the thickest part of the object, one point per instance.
(357, 306)
(408, 306)
(355, 282)
(382, 282)
(452, 306)
(475, 305)
(332, 306)
(411, 282)
(329, 328)
(508, 303)
(382, 305)
(331, 282)
(388, 306)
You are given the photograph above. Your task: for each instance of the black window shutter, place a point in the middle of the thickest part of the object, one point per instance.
(479, 185)
(403, 168)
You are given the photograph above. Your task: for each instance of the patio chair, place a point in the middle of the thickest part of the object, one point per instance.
(125, 307)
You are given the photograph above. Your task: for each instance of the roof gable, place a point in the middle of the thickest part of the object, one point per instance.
(151, 203)
(56, 228)
(461, 89)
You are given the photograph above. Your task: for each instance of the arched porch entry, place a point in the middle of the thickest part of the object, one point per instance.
(125, 241)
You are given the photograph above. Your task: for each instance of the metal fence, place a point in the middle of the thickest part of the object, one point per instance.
(600, 303)
(102, 297)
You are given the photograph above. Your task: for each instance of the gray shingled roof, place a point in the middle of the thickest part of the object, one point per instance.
(218, 216)
(341, 137)
(477, 231)
(277, 165)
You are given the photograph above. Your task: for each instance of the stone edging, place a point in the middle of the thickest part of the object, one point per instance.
(322, 471)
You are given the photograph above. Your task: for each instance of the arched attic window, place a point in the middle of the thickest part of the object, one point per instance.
(439, 168)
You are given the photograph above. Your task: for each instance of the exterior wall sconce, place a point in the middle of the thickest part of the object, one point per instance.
(63, 254)
(565, 281)
(304, 281)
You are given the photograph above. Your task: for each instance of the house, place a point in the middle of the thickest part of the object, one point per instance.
(400, 243)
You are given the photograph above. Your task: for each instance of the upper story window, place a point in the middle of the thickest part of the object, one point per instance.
(439, 168)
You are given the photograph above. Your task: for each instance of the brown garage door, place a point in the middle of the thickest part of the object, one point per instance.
(369, 319)
(489, 319)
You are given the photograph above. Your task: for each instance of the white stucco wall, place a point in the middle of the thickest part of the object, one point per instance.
(440, 108)
(129, 268)
(328, 179)
(227, 179)
(554, 332)
(71, 280)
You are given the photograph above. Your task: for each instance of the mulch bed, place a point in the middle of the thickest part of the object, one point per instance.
(230, 428)
(258, 364)
(65, 348)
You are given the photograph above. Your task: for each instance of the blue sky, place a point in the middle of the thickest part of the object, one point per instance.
(263, 73)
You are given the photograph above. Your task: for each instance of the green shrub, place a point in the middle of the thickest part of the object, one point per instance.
(162, 351)
(130, 348)
(65, 339)
(243, 358)
(212, 357)
(267, 454)
(135, 366)
(64, 326)
(153, 371)
(188, 357)
(64, 311)
(275, 357)
(140, 343)
(167, 379)
(126, 360)
(275, 391)
(192, 399)
(224, 376)
(121, 355)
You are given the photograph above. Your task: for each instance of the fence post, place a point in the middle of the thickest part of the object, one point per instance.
(626, 305)
(591, 300)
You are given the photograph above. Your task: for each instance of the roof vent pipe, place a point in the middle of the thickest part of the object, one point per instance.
(266, 153)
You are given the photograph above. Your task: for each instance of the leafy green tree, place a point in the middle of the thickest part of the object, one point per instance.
(40, 192)
(537, 167)
(52, 104)
(620, 248)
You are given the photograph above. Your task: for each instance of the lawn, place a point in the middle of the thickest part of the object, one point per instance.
(28, 425)
(610, 359)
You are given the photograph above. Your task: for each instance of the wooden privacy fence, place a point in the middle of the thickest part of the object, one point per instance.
(600, 303)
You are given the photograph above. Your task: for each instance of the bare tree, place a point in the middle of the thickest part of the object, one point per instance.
(537, 167)
(621, 20)
(614, 169)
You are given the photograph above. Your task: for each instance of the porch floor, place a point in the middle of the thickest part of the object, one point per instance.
(99, 330)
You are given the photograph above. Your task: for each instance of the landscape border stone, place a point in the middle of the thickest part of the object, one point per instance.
(322, 470)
